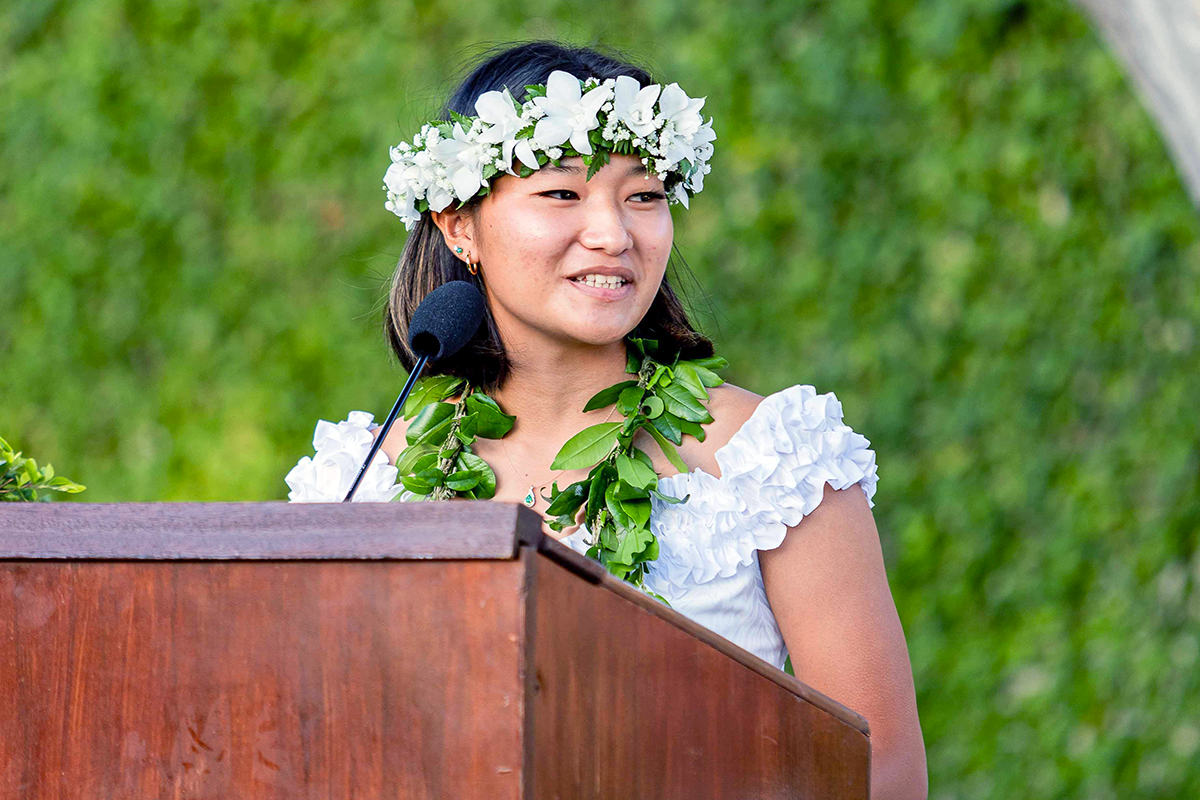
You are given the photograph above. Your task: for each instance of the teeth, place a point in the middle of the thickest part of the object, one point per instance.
(604, 281)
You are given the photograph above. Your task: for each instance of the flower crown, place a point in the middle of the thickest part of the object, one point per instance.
(458, 159)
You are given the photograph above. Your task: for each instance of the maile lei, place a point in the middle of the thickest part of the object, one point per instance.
(667, 400)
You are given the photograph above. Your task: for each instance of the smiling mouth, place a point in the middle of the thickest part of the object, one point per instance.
(600, 281)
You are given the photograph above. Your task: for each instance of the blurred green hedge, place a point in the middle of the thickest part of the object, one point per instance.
(953, 213)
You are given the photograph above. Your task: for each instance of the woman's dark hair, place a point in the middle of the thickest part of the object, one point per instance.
(426, 262)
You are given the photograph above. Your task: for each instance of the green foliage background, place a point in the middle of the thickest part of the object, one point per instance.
(953, 213)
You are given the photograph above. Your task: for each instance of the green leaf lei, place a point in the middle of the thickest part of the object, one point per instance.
(665, 400)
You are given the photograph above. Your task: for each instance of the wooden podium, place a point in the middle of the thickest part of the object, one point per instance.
(375, 650)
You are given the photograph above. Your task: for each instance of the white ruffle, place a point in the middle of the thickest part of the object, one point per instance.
(703, 537)
(773, 474)
(341, 449)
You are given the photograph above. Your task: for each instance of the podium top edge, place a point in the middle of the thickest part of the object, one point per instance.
(477, 529)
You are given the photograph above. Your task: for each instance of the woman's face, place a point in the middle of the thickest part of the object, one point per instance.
(538, 239)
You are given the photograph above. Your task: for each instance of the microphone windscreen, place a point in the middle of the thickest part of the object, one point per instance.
(445, 320)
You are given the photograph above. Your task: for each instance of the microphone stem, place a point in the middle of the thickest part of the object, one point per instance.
(387, 424)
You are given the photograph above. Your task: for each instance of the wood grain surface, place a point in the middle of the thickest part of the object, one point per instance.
(482, 529)
(273, 650)
(591, 571)
(635, 706)
(387, 679)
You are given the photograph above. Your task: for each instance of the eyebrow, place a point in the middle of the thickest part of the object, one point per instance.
(636, 169)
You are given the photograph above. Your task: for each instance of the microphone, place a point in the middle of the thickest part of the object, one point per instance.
(444, 321)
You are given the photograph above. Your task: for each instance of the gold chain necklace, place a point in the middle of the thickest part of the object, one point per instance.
(531, 496)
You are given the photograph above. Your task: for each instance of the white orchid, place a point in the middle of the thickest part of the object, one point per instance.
(497, 109)
(464, 156)
(680, 194)
(402, 198)
(570, 115)
(702, 141)
(634, 105)
(681, 122)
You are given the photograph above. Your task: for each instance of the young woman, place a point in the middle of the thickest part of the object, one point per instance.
(776, 548)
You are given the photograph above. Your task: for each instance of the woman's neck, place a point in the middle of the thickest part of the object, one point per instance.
(548, 389)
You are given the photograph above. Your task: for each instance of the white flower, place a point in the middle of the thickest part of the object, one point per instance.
(341, 450)
(679, 194)
(496, 109)
(682, 120)
(568, 115)
(702, 141)
(635, 105)
(696, 181)
(449, 162)
(402, 200)
(464, 158)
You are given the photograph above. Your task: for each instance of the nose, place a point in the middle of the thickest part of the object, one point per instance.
(605, 229)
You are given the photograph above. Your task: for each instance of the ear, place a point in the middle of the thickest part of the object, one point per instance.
(458, 230)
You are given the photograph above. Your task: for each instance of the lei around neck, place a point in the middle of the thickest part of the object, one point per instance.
(667, 400)
(592, 119)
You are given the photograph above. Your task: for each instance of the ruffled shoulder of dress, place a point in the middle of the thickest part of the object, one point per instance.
(773, 473)
(793, 444)
(341, 448)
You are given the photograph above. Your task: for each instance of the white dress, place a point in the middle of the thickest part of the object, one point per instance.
(773, 473)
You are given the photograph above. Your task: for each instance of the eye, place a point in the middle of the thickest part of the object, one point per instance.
(652, 195)
(559, 191)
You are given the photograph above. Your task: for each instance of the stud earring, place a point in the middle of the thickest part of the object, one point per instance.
(458, 250)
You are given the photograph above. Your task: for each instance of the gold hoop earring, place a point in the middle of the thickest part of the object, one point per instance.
(472, 268)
